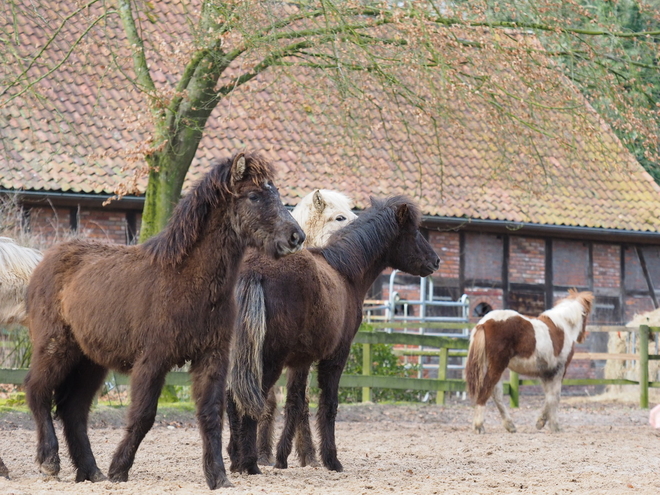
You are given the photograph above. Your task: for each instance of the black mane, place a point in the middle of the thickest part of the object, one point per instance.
(353, 248)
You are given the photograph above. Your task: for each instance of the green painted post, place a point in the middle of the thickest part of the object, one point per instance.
(367, 360)
(514, 390)
(644, 366)
(442, 373)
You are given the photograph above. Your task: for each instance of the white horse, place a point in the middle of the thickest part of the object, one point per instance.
(319, 214)
(16, 266)
(541, 347)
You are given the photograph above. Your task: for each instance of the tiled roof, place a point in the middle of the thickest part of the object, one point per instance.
(464, 170)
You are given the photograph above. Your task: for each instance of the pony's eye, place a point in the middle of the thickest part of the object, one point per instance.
(340, 218)
(253, 196)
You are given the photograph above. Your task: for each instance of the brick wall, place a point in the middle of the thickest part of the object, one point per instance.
(607, 266)
(634, 276)
(103, 225)
(570, 263)
(526, 260)
(447, 246)
(493, 297)
(50, 224)
(483, 256)
(53, 224)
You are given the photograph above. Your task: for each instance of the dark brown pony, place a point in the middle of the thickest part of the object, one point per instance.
(143, 309)
(307, 308)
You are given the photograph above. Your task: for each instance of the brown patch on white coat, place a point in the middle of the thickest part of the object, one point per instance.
(539, 347)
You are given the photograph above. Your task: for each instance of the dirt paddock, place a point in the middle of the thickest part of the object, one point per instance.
(603, 448)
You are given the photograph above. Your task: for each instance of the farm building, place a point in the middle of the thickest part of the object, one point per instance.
(513, 230)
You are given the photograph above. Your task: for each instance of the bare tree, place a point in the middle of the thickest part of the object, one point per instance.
(416, 66)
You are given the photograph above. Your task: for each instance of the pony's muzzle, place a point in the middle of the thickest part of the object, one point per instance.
(293, 244)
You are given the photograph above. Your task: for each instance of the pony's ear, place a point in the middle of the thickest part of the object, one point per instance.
(318, 201)
(402, 213)
(238, 168)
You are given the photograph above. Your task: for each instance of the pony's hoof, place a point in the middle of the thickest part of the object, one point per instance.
(220, 482)
(95, 476)
(265, 460)
(479, 429)
(281, 465)
(311, 462)
(510, 427)
(555, 429)
(335, 465)
(254, 469)
(50, 468)
(540, 423)
(118, 477)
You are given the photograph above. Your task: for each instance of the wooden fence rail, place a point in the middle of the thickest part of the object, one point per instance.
(447, 346)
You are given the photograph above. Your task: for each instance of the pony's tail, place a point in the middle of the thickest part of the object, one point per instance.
(246, 373)
(477, 363)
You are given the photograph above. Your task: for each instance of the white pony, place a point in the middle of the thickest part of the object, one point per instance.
(319, 214)
(16, 266)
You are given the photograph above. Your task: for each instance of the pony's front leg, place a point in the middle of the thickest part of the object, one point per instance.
(209, 374)
(498, 398)
(329, 373)
(146, 384)
(552, 389)
(293, 411)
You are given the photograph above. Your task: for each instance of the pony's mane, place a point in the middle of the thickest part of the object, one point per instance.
(17, 259)
(191, 214)
(351, 249)
(585, 298)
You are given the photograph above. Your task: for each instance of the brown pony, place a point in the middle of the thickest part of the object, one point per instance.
(307, 308)
(144, 309)
(319, 214)
(540, 347)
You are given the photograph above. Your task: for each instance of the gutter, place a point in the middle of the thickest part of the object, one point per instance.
(74, 199)
(524, 228)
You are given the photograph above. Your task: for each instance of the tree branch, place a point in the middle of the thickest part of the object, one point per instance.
(45, 47)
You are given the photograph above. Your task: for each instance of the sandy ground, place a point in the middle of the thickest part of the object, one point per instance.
(603, 448)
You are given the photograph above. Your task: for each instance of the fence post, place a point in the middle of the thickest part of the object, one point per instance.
(367, 361)
(514, 390)
(442, 373)
(644, 366)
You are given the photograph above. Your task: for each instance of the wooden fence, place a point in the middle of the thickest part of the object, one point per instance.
(446, 347)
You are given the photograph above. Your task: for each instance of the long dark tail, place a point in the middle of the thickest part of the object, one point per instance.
(246, 372)
(477, 362)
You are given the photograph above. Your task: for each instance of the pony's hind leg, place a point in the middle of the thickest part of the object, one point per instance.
(242, 440)
(146, 385)
(50, 366)
(552, 389)
(304, 443)
(293, 413)
(265, 431)
(498, 398)
(490, 382)
(73, 399)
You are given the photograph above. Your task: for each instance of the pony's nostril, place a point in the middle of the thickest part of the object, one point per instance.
(436, 263)
(297, 238)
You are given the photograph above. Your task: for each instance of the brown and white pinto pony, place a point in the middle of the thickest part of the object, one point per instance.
(540, 347)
